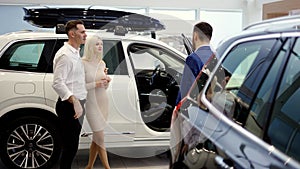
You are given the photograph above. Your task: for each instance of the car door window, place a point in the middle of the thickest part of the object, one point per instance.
(27, 56)
(256, 119)
(227, 90)
(284, 127)
(113, 56)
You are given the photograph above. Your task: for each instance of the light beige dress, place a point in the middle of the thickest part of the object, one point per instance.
(97, 98)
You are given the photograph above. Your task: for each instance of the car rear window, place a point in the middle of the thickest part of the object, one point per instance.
(29, 56)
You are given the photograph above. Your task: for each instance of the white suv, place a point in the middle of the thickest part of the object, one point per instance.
(145, 78)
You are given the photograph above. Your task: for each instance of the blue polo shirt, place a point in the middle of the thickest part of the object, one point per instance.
(193, 65)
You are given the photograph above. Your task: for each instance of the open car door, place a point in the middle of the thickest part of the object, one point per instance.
(187, 44)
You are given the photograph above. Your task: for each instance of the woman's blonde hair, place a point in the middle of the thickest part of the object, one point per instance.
(89, 48)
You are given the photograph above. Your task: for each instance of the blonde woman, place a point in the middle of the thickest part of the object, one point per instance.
(97, 100)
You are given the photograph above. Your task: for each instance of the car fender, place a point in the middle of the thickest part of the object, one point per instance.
(20, 103)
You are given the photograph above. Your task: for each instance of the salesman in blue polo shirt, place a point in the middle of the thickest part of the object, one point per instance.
(202, 34)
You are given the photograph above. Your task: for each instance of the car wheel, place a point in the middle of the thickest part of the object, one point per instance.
(30, 142)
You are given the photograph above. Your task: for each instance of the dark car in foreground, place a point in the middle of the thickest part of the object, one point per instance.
(247, 114)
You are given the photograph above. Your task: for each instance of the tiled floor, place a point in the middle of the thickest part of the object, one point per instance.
(118, 162)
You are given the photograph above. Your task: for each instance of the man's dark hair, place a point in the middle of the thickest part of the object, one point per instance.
(72, 24)
(204, 30)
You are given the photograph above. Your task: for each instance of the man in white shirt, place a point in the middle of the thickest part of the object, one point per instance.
(69, 84)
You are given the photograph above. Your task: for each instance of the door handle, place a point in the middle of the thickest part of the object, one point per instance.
(221, 163)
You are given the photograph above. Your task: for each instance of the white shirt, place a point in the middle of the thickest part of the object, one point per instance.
(68, 71)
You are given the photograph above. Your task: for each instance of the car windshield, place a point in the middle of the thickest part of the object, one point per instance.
(148, 57)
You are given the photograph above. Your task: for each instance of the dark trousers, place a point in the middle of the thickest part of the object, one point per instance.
(70, 131)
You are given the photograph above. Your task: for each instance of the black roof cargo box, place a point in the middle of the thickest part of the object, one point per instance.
(94, 17)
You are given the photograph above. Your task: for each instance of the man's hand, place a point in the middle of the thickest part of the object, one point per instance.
(77, 108)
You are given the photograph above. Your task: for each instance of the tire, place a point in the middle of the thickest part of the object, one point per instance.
(30, 142)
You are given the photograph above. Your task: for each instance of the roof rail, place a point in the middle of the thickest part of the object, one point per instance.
(294, 20)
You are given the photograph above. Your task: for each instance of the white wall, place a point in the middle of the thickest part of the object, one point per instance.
(252, 8)
(11, 11)
(11, 17)
(215, 4)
